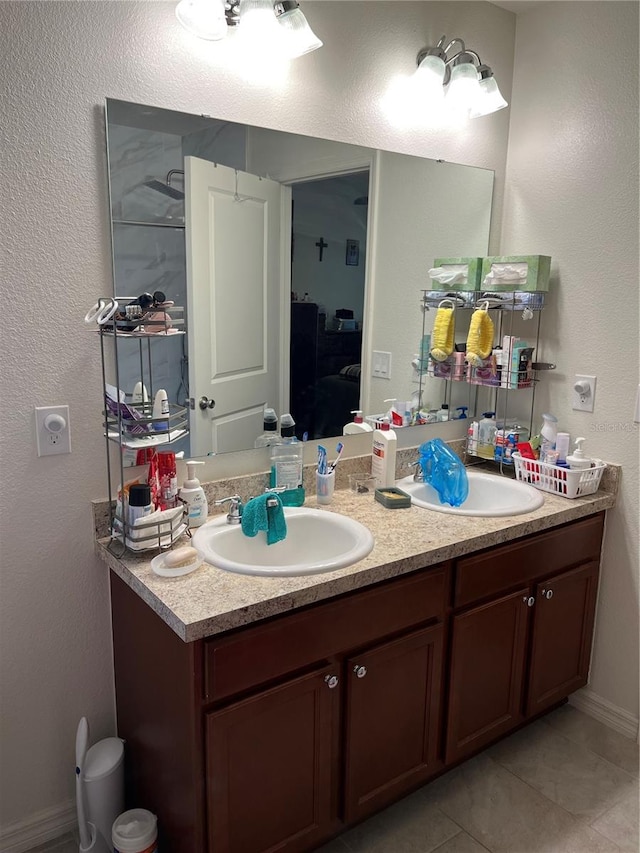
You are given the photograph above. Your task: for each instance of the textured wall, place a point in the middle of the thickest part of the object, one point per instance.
(58, 62)
(572, 192)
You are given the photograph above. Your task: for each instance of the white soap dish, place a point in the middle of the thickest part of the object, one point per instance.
(159, 564)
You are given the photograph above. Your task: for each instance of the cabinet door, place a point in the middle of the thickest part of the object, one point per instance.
(487, 666)
(562, 633)
(271, 763)
(393, 719)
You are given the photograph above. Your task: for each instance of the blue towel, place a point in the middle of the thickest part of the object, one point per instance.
(256, 516)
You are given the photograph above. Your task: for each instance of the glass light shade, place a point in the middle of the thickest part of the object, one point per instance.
(258, 24)
(299, 37)
(464, 89)
(490, 100)
(203, 18)
(428, 80)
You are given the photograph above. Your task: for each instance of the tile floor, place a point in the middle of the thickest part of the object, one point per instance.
(566, 784)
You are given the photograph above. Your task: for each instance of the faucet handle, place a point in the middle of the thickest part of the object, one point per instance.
(234, 515)
(418, 474)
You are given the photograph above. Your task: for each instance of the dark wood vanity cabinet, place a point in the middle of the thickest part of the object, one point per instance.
(278, 735)
(519, 653)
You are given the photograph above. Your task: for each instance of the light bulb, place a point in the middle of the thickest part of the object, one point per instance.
(203, 18)
(259, 28)
(428, 80)
(490, 99)
(299, 37)
(464, 89)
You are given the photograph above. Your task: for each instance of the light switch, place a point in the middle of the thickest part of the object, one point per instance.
(381, 364)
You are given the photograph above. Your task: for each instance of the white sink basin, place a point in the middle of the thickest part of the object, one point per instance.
(489, 496)
(316, 541)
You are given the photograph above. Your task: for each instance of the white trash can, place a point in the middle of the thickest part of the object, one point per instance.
(103, 776)
(135, 831)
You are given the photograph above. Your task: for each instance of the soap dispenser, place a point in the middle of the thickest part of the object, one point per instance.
(577, 461)
(193, 495)
(357, 424)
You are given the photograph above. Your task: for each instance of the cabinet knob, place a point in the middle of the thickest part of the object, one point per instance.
(529, 600)
(331, 681)
(206, 403)
(547, 593)
(360, 671)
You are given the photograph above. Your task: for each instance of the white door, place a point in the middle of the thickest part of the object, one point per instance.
(234, 290)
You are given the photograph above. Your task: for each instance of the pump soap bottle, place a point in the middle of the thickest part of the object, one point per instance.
(357, 424)
(287, 464)
(383, 460)
(577, 460)
(193, 495)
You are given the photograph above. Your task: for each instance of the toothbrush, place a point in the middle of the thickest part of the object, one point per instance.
(322, 459)
(339, 448)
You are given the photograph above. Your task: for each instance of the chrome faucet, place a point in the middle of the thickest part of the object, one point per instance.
(418, 474)
(234, 516)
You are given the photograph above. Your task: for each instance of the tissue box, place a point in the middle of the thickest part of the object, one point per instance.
(470, 268)
(516, 272)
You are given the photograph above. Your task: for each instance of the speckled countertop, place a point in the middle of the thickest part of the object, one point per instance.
(210, 601)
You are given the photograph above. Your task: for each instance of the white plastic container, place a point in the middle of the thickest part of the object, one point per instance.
(193, 495)
(103, 779)
(357, 424)
(486, 435)
(383, 460)
(556, 479)
(577, 460)
(135, 831)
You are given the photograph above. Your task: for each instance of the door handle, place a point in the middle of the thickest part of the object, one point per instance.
(206, 403)
(360, 671)
(529, 600)
(547, 593)
(331, 681)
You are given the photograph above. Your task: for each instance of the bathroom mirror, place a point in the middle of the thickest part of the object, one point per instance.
(300, 261)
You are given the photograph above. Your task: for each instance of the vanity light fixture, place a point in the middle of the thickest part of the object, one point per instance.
(263, 25)
(458, 81)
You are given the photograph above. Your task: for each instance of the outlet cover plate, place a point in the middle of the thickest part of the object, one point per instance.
(583, 402)
(381, 364)
(51, 442)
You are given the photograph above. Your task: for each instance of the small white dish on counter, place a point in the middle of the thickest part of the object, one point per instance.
(159, 564)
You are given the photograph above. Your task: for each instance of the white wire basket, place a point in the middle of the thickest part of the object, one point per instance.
(558, 480)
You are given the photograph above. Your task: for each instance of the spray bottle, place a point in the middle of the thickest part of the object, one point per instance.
(193, 495)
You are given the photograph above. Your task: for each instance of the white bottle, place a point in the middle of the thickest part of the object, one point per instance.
(139, 393)
(548, 435)
(578, 461)
(383, 460)
(160, 408)
(443, 412)
(472, 439)
(357, 424)
(193, 495)
(487, 435)
(562, 445)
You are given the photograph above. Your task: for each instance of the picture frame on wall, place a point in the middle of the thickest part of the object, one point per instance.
(352, 257)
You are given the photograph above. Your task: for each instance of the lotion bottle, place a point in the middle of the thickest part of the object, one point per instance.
(193, 495)
(357, 424)
(160, 409)
(577, 460)
(383, 460)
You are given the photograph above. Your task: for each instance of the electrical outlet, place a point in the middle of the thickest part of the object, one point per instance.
(53, 433)
(583, 393)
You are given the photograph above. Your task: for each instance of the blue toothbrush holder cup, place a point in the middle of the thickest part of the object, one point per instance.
(325, 484)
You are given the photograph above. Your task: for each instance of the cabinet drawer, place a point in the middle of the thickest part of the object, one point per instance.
(497, 570)
(257, 655)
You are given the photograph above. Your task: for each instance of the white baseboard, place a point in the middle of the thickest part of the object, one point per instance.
(606, 712)
(38, 828)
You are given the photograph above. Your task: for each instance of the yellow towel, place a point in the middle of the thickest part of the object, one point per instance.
(480, 338)
(442, 335)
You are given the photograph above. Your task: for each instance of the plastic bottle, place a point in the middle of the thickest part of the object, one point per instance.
(472, 439)
(193, 495)
(168, 480)
(563, 441)
(383, 460)
(577, 460)
(135, 831)
(443, 412)
(548, 435)
(486, 435)
(160, 408)
(357, 424)
(139, 393)
(287, 464)
(270, 435)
